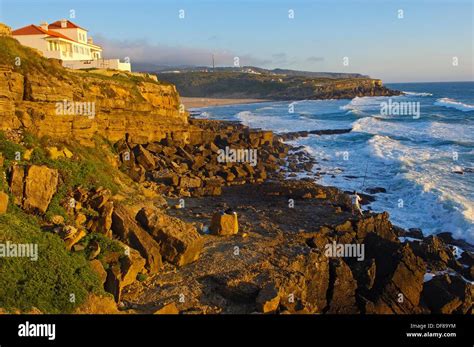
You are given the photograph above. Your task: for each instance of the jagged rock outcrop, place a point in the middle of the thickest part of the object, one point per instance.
(398, 290)
(448, 294)
(343, 289)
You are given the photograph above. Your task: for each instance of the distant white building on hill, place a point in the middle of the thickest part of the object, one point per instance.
(69, 42)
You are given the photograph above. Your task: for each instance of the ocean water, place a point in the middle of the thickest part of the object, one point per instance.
(417, 160)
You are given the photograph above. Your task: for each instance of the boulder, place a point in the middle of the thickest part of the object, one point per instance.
(40, 185)
(144, 158)
(224, 224)
(124, 273)
(180, 243)
(124, 226)
(268, 299)
(3, 203)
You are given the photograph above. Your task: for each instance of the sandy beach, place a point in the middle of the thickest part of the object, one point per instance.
(206, 102)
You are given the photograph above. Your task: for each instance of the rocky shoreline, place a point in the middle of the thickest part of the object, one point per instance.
(276, 262)
(141, 209)
(196, 232)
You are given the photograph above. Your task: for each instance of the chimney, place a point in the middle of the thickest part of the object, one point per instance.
(44, 25)
(63, 23)
(90, 41)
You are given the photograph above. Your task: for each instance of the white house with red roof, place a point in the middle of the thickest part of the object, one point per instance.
(68, 42)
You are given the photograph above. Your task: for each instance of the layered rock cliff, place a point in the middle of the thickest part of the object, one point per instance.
(42, 97)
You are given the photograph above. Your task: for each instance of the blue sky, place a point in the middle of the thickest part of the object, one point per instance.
(419, 47)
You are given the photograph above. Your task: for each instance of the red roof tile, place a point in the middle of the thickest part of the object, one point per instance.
(36, 30)
(70, 25)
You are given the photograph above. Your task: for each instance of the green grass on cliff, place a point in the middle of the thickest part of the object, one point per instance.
(24, 59)
(89, 167)
(49, 283)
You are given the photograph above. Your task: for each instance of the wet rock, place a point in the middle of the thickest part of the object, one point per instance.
(448, 294)
(435, 252)
(448, 238)
(467, 258)
(375, 190)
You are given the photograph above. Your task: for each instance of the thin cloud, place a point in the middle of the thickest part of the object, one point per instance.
(143, 52)
(314, 59)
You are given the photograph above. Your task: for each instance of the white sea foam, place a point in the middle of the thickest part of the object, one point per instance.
(416, 130)
(361, 105)
(411, 159)
(417, 94)
(277, 124)
(430, 191)
(451, 103)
